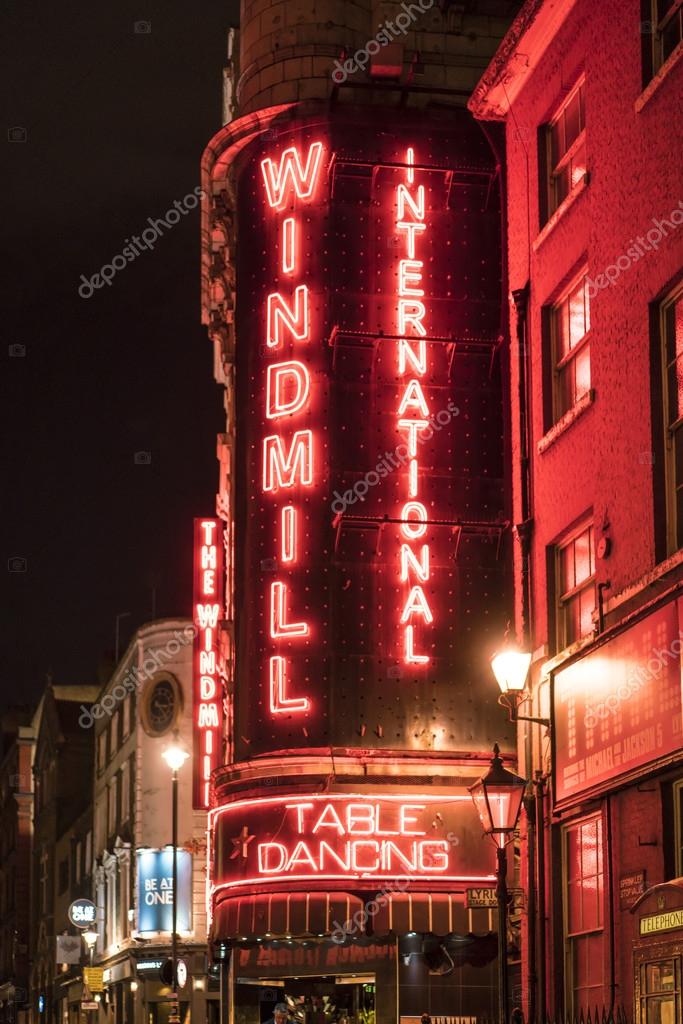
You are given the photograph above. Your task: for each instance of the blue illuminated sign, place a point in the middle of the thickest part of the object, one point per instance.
(155, 890)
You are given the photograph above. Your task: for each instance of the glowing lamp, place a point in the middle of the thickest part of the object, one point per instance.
(498, 799)
(90, 938)
(511, 668)
(175, 756)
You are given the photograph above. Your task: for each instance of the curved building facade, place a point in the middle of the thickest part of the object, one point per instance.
(353, 290)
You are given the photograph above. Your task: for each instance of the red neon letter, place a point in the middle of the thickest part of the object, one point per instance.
(302, 179)
(278, 614)
(280, 470)
(413, 397)
(409, 561)
(411, 311)
(288, 245)
(282, 317)
(409, 273)
(417, 605)
(410, 656)
(288, 534)
(415, 515)
(287, 387)
(279, 702)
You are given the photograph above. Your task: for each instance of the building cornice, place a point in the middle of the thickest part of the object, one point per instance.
(518, 55)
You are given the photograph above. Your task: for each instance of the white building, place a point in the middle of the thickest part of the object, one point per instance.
(146, 702)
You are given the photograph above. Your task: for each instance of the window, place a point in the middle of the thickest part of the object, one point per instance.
(126, 717)
(584, 916)
(671, 329)
(677, 791)
(565, 157)
(43, 883)
(569, 328)
(666, 30)
(113, 808)
(87, 864)
(102, 750)
(660, 985)
(576, 586)
(125, 791)
(114, 742)
(63, 876)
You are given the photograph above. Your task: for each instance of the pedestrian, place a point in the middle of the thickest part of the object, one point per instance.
(425, 1019)
(280, 1014)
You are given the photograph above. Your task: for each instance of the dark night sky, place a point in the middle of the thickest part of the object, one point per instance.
(116, 123)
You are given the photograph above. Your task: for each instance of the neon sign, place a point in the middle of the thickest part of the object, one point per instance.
(288, 456)
(336, 835)
(368, 468)
(208, 714)
(411, 357)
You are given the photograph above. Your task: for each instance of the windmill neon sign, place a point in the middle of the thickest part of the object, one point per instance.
(208, 714)
(288, 455)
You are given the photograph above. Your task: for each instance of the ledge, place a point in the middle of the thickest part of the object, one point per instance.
(571, 416)
(559, 213)
(653, 85)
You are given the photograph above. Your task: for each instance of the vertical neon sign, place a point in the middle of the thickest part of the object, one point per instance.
(412, 412)
(207, 613)
(288, 456)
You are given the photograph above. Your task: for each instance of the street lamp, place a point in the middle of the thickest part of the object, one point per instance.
(175, 757)
(511, 666)
(90, 938)
(498, 799)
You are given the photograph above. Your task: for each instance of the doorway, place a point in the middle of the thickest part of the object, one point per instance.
(332, 999)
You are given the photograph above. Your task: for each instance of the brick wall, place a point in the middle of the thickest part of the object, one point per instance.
(601, 461)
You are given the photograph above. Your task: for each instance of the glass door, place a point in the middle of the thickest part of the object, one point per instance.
(660, 992)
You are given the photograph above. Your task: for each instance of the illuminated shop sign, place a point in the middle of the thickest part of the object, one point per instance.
(346, 836)
(155, 890)
(207, 709)
(619, 707)
(368, 478)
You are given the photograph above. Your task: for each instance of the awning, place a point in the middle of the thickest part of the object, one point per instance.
(402, 912)
(279, 915)
(285, 915)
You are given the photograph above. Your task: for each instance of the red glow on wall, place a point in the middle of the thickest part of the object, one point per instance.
(207, 700)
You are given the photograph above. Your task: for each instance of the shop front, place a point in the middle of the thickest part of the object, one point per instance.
(658, 954)
(351, 907)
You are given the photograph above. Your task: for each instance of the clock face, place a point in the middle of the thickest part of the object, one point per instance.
(161, 705)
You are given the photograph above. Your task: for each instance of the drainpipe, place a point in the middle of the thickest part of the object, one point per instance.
(539, 785)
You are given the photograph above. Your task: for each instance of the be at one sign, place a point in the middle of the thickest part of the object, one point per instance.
(155, 890)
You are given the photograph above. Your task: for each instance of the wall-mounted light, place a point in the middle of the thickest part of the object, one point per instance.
(133, 986)
(510, 666)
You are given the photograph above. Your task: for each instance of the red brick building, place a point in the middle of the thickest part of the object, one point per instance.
(591, 97)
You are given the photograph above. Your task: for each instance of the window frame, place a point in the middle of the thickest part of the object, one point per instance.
(560, 363)
(563, 597)
(552, 170)
(677, 796)
(659, 27)
(669, 428)
(569, 938)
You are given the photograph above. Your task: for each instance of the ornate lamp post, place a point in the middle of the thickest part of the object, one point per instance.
(175, 757)
(498, 798)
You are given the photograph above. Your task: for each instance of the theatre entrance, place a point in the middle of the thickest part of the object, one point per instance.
(331, 999)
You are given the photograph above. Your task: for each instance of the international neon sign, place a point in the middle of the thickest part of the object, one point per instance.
(412, 414)
(288, 453)
(345, 836)
(207, 613)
